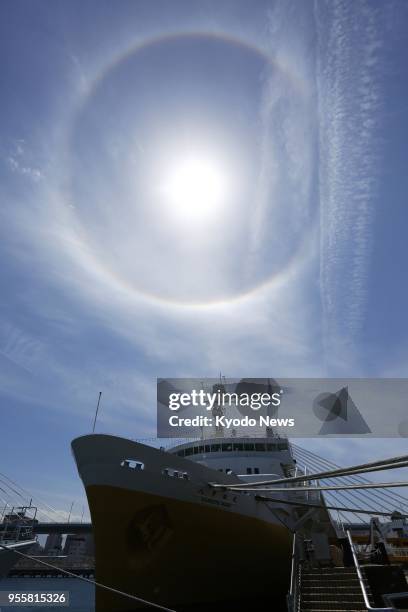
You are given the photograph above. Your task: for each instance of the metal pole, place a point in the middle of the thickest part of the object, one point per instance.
(96, 413)
(374, 485)
(387, 464)
(70, 510)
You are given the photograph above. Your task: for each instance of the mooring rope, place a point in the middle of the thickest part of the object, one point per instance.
(98, 584)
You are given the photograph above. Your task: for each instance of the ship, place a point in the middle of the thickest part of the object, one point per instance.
(16, 536)
(168, 531)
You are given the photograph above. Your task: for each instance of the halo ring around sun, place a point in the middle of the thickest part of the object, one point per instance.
(91, 263)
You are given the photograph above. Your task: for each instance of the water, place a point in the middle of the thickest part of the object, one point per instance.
(81, 594)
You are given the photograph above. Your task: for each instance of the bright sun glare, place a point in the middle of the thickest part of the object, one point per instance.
(194, 189)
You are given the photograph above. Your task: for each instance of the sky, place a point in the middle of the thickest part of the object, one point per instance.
(291, 118)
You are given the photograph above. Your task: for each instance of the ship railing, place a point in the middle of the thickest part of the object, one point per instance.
(361, 550)
(299, 486)
(360, 576)
(169, 443)
(16, 533)
(293, 597)
(308, 495)
(398, 551)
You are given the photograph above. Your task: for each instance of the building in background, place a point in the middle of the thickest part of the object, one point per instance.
(78, 547)
(53, 544)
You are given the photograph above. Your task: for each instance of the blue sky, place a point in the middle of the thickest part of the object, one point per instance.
(107, 282)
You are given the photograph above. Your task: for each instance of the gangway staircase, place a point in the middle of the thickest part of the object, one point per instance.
(334, 589)
(350, 587)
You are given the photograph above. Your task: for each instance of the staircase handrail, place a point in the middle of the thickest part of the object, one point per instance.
(293, 595)
(369, 607)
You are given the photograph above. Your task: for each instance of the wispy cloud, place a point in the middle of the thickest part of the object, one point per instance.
(283, 209)
(18, 161)
(19, 347)
(349, 66)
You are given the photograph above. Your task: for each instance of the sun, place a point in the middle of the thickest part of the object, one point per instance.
(195, 188)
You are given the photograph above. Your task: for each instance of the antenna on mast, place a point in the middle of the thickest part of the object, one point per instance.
(96, 412)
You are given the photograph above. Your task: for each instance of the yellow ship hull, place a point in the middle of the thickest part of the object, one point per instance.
(184, 555)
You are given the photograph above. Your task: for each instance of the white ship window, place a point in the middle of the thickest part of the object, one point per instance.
(260, 447)
(132, 464)
(249, 447)
(256, 470)
(215, 448)
(226, 447)
(249, 470)
(238, 447)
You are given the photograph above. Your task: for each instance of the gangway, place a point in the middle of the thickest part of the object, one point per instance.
(339, 581)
